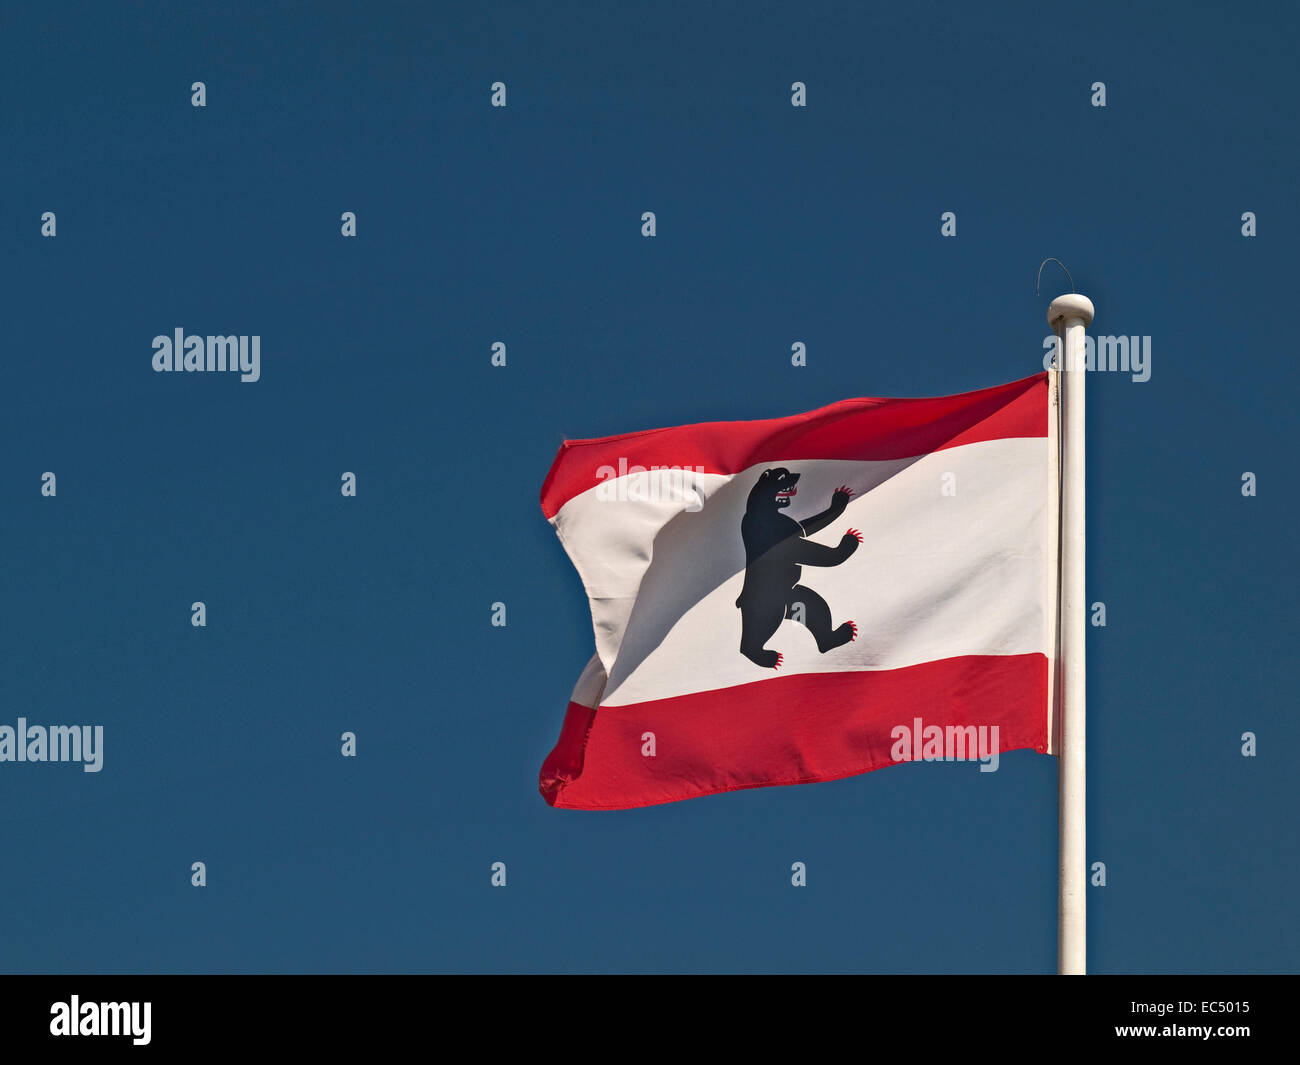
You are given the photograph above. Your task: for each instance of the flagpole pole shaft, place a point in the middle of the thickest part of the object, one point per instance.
(1070, 316)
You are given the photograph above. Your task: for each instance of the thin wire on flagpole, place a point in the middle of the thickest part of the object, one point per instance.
(1052, 259)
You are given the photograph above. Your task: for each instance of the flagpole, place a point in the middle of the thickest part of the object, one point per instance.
(1069, 316)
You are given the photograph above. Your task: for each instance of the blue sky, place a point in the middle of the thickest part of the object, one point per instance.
(522, 225)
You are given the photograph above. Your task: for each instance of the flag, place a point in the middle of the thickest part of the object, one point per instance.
(807, 598)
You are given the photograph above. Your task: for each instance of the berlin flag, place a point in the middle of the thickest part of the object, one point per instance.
(806, 598)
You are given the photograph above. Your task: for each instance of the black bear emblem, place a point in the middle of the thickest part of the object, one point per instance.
(775, 548)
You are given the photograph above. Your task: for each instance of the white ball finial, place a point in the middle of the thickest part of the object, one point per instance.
(1071, 306)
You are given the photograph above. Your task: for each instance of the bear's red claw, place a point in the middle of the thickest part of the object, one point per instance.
(857, 535)
(853, 625)
(779, 659)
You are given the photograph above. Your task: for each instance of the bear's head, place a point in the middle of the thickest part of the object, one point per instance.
(773, 490)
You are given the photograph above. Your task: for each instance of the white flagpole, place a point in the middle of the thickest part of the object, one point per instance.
(1069, 316)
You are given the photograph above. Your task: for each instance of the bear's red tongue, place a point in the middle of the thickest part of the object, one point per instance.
(788, 492)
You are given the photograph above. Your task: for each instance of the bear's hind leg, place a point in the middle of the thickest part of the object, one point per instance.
(756, 628)
(811, 608)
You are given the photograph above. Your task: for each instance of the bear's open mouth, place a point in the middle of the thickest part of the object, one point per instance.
(787, 492)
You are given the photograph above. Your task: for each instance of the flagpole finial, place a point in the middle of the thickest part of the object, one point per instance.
(1070, 306)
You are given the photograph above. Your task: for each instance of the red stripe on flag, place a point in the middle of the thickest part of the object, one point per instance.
(861, 429)
(786, 730)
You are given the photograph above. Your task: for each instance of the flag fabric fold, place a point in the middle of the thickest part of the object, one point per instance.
(807, 598)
